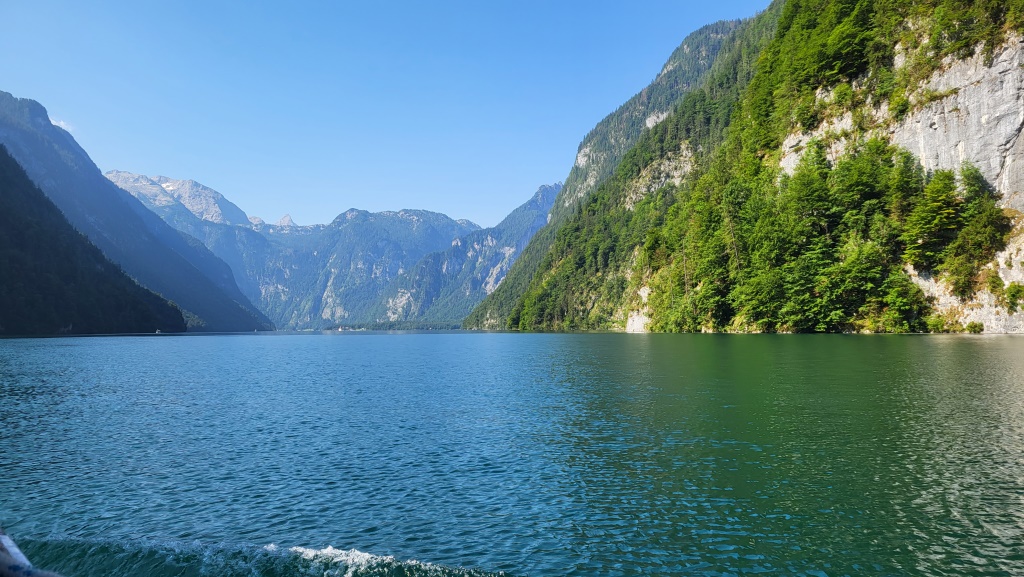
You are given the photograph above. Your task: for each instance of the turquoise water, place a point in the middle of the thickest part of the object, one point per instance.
(477, 454)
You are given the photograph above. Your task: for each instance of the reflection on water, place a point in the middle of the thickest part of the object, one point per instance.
(529, 454)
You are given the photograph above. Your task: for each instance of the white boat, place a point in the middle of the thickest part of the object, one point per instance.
(13, 562)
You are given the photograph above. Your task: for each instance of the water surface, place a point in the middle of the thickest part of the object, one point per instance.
(475, 454)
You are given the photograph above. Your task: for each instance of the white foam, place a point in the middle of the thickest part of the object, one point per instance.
(353, 559)
(348, 557)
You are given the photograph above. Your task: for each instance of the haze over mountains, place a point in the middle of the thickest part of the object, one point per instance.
(159, 257)
(228, 272)
(55, 281)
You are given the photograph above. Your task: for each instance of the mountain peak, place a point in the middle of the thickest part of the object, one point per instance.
(286, 220)
(202, 201)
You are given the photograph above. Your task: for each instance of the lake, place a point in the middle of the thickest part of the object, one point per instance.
(517, 454)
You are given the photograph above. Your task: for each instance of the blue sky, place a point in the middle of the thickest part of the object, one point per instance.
(311, 108)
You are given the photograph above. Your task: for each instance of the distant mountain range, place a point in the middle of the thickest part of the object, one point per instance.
(230, 272)
(389, 269)
(444, 286)
(405, 268)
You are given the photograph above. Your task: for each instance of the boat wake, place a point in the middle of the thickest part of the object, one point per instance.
(85, 558)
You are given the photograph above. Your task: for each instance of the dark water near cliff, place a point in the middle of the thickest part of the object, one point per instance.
(473, 454)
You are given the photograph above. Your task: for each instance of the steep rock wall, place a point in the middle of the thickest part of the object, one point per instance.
(970, 110)
(978, 118)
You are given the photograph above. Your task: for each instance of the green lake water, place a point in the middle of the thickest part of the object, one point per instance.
(522, 454)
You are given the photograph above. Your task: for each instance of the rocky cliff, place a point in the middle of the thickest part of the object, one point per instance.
(969, 110)
(975, 113)
(444, 286)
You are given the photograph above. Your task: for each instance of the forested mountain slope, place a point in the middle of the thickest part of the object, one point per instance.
(174, 265)
(600, 152)
(813, 212)
(54, 281)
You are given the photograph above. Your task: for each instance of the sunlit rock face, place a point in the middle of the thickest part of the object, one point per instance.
(978, 120)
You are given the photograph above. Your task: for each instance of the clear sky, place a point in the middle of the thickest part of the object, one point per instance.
(311, 108)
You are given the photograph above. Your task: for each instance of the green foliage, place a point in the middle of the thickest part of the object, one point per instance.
(738, 246)
(942, 324)
(582, 278)
(843, 95)
(903, 307)
(725, 50)
(820, 251)
(834, 265)
(933, 223)
(899, 105)
(905, 181)
(975, 328)
(956, 233)
(991, 280)
(1014, 296)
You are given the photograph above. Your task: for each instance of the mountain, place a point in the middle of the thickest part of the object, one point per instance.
(175, 266)
(303, 277)
(230, 238)
(601, 151)
(864, 179)
(411, 268)
(324, 276)
(444, 286)
(55, 281)
(173, 198)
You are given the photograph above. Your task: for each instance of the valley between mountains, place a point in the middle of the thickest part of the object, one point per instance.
(822, 166)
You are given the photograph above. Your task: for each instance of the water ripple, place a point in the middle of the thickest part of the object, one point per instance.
(522, 454)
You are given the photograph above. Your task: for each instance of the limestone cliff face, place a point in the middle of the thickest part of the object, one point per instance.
(970, 110)
(979, 119)
(669, 170)
(985, 308)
